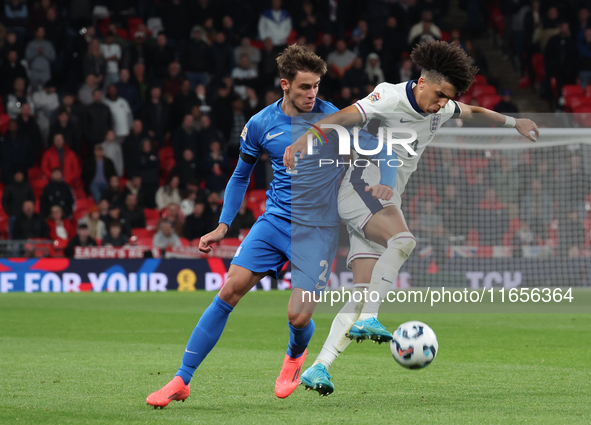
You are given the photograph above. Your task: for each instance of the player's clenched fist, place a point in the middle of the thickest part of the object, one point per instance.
(380, 191)
(212, 237)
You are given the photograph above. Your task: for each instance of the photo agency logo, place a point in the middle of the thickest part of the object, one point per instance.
(402, 136)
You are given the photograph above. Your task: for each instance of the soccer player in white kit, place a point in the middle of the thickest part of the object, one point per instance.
(379, 237)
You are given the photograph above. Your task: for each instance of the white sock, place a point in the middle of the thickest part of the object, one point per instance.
(336, 342)
(385, 271)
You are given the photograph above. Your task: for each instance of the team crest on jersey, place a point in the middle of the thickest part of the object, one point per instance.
(374, 97)
(243, 134)
(435, 121)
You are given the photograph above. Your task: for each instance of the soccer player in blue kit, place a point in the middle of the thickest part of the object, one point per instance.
(300, 223)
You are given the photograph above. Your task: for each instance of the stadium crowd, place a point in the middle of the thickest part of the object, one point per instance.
(117, 116)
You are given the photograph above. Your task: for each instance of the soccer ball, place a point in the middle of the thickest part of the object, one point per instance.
(414, 345)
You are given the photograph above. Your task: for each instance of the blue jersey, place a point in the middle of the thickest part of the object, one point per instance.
(310, 196)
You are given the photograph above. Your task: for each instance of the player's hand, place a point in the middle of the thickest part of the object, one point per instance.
(212, 237)
(524, 126)
(299, 146)
(380, 191)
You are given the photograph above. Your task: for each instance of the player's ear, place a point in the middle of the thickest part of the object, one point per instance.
(284, 84)
(421, 83)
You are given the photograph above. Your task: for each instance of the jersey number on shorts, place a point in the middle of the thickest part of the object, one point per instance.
(322, 276)
(413, 145)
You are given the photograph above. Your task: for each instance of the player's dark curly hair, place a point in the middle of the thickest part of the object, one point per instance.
(440, 59)
(299, 58)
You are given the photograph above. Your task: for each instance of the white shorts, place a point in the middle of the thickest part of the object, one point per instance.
(356, 207)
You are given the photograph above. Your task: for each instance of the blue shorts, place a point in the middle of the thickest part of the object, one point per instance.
(273, 241)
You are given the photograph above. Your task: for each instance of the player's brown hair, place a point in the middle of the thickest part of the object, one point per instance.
(299, 58)
(447, 60)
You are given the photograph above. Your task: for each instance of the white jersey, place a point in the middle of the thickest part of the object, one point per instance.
(395, 106)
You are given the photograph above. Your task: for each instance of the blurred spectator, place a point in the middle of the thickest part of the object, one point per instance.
(17, 98)
(430, 230)
(169, 193)
(387, 61)
(308, 22)
(326, 47)
(68, 129)
(165, 237)
(244, 76)
(138, 51)
(373, 70)
(155, 116)
(182, 104)
(341, 59)
(57, 192)
(85, 92)
(356, 78)
(96, 227)
(173, 82)
(162, 56)
(185, 137)
(478, 188)
(213, 202)
(187, 168)
(27, 125)
(491, 219)
(133, 213)
(268, 65)
(128, 91)
(254, 54)
(103, 207)
(574, 186)
(560, 58)
(523, 237)
(216, 166)
(453, 212)
(29, 225)
(15, 149)
(506, 105)
(208, 133)
(238, 122)
(40, 55)
(112, 53)
(275, 23)
(12, 43)
(82, 239)
(198, 223)
(526, 171)
(424, 30)
(97, 119)
(360, 41)
(96, 173)
(16, 15)
(189, 195)
(537, 209)
(146, 167)
(584, 47)
(222, 55)
(55, 31)
(134, 187)
(59, 227)
(94, 61)
(14, 196)
(46, 103)
(196, 58)
(115, 216)
(131, 144)
(571, 235)
(477, 58)
(174, 215)
(506, 183)
(114, 237)
(140, 82)
(114, 192)
(176, 20)
(62, 157)
(406, 72)
(243, 221)
(11, 69)
(550, 26)
(395, 39)
(345, 98)
(121, 113)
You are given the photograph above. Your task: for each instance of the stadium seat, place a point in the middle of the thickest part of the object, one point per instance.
(185, 241)
(537, 61)
(143, 241)
(195, 242)
(84, 204)
(588, 91)
(143, 233)
(574, 102)
(583, 116)
(152, 218)
(489, 101)
(483, 90)
(572, 90)
(480, 80)
(465, 98)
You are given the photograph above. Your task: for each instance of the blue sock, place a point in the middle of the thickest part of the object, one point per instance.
(204, 337)
(299, 339)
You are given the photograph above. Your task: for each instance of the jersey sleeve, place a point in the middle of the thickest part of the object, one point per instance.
(379, 103)
(387, 173)
(451, 110)
(250, 139)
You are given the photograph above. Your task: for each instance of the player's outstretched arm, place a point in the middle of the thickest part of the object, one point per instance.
(346, 117)
(480, 115)
(233, 197)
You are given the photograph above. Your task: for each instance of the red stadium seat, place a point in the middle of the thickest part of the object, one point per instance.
(537, 61)
(588, 91)
(473, 238)
(143, 241)
(478, 91)
(572, 90)
(143, 233)
(575, 102)
(489, 101)
(480, 80)
(465, 98)
(195, 242)
(152, 218)
(185, 241)
(84, 204)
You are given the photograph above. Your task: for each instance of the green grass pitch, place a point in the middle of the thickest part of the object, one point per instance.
(93, 358)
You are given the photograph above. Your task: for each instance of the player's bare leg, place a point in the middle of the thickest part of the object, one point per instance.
(206, 334)
(299, 312)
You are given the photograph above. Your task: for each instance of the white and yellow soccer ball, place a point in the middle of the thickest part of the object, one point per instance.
(414, 345)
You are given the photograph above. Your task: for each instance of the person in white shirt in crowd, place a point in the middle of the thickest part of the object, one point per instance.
(275, 23)
(46, 102)
(418, 28)
(112, 150)
(341, 59)
(121, 111)
(169, 193)
(373, 69)
(254, 54)
(243, 76)
(166, 237)
(112, 53)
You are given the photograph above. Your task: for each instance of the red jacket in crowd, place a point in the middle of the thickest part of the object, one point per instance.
(71, 169)
(67, 225)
